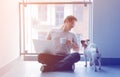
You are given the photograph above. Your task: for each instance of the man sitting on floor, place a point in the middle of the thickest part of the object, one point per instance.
(63, 41)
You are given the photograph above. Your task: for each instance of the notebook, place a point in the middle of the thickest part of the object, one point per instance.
(43, 46)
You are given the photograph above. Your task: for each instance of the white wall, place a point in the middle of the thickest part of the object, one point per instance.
(9, 31)
(106, 24)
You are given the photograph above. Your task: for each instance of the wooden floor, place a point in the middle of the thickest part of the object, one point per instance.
(31, 69)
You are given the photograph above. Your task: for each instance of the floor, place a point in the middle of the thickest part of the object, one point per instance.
(31, 69)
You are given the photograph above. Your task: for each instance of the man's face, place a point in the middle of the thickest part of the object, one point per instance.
(70, 25)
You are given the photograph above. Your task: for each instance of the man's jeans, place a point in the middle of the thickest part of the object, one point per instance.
(59, 62)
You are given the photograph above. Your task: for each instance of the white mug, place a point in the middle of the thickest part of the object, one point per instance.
(63, 40)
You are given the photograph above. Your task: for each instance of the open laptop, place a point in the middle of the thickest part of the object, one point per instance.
(43, 46)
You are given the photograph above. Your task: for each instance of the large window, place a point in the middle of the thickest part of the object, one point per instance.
(37, 19)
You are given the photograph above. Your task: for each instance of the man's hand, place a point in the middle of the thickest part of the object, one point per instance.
(68, 42)
(74, 46)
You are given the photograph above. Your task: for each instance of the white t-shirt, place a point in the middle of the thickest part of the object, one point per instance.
(59, 48)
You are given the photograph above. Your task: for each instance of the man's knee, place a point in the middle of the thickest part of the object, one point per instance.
(41, 57)
(76, 56)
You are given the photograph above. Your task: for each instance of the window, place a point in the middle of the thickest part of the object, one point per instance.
(59, 10)
(78, 13)
(42, 12)
(40, 18)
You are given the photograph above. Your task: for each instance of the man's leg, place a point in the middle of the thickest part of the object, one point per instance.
(49, 59)
(67, 62)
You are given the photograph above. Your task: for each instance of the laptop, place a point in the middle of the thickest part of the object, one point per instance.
(43, 46)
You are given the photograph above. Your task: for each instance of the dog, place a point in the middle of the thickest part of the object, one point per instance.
(94, 56)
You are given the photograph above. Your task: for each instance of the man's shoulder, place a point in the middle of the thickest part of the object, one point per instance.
(55, 30)
(72, 33)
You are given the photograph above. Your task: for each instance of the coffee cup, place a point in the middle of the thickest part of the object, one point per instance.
(63, 40)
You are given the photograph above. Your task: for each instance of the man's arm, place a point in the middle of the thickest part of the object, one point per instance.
(73, 43)
(48, 36)
(75, 47)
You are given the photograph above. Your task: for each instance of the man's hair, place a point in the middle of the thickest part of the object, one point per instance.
(70, 18)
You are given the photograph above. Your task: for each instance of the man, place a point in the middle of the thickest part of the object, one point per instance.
(63, 41)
